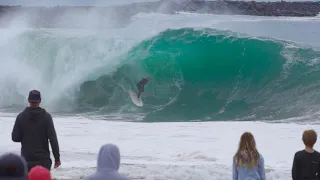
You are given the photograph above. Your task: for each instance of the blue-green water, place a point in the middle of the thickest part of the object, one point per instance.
(209, 74)
(202, 73)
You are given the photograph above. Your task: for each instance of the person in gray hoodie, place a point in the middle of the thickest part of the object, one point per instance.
(108, 164)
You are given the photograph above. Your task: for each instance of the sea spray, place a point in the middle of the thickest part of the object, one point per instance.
(202, 74)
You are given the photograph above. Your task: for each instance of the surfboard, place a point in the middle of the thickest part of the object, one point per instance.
(134, 97)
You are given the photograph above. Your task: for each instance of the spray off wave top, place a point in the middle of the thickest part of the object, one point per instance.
(196, 75)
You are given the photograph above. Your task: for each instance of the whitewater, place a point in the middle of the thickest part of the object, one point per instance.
(213, 77)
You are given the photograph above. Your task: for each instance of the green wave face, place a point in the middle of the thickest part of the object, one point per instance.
(214, 75)
(195, 75)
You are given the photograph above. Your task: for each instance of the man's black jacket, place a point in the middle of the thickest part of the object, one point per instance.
(33, 128)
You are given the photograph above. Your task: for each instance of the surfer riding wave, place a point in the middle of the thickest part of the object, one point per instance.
(141, 84)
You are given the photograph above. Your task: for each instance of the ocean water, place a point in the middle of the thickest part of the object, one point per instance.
(230, 74)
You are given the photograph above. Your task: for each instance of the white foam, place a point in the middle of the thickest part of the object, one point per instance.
(158, 150)
(67, 58)
(196, 150)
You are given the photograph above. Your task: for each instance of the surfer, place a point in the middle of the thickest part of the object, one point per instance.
(141, 84)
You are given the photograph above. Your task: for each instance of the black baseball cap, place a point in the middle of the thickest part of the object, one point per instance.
(34, 96)
(13, 167)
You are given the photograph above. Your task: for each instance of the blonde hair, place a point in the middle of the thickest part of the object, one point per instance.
(247, 145)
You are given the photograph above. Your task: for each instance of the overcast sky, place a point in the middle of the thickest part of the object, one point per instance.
(68, 2)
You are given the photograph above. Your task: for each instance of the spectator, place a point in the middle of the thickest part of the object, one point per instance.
(13, 167)
(306, 163)
(33, 127)
(108, 164)
(248, 163)
(39, 173)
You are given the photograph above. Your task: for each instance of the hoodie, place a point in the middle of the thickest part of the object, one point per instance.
(243, 172)
(33, 128)
(108, 164)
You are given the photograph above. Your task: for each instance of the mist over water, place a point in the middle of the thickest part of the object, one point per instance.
(71, 2)
(86, 2)
(203, 67)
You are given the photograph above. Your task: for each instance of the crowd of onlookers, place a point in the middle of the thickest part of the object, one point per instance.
(15, 167)
(34, 129)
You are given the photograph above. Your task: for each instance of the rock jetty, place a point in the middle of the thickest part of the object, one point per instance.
(117, 16)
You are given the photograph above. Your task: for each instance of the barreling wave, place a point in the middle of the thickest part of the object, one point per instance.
(196, 75)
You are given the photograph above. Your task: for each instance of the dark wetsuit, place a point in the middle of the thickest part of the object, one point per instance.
(306, 166)
(140, 85)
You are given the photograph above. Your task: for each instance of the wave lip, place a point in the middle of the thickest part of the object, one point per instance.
(202, 74)
(217, 75)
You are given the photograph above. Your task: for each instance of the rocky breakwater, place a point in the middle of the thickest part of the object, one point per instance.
(119, 16)
(280, 8)
(297, 9)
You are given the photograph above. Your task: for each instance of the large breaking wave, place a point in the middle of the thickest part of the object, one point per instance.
(196, 75)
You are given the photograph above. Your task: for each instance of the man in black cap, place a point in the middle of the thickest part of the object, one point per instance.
(13, 167)
(33, 128)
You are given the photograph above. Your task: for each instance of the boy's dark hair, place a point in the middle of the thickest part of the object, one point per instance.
(309, 138)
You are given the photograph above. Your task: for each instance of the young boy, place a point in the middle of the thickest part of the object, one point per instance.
(306, 163)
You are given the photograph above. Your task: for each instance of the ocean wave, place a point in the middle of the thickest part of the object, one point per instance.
(197, 74)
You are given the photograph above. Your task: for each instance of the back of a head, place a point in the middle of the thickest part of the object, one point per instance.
(108, 164)
(13, 167)
(109, 158)
(34, 98)
(247, 150)
(39, 173)
(309, 138)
